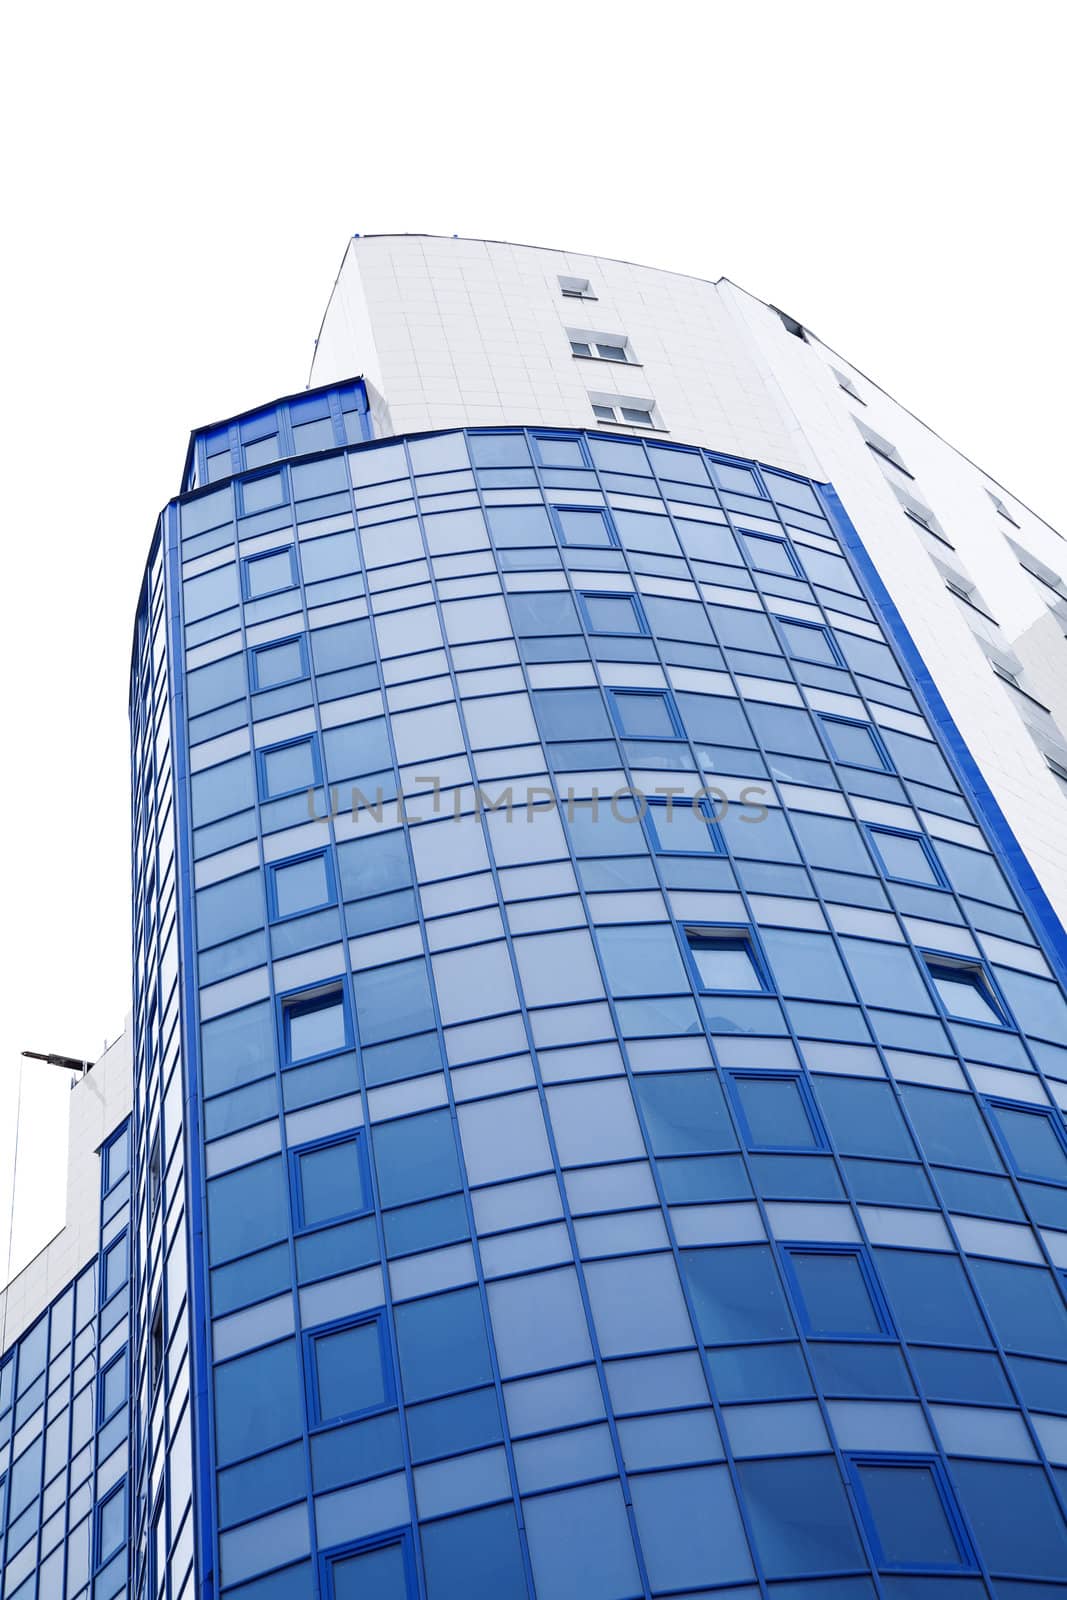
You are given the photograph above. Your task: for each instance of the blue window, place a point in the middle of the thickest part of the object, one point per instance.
(906, 856)
(259, 494)
(776, 1111)
(931, 1299)
(685, 1113)
(302, 884)
(768, 554)
(442, 1344)
(288, 768)
(725, 960)
(835, 1292)
(283, 662)
(571, 714)
(113, 1387)
(559, 450)
(645, 714)
(330, 1180)
(111, 1524)
(910, 1513)
(314, 1023)
(382, 1570)
(809, 641)
(965, 992)
(416, 1158)
(116, 1159)
(115, 1268)
(612, 613)
(268, 573)
(259, 1402)
(584, 525)
(855, 744)
(799, 1514)
(1035, 1139)
(682, 827)
(737, 1294)
(349, 1370)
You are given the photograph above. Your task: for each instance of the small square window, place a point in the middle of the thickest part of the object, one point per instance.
(260, 494)
(911, 1514)
(304, 884)
(906, 857)
(612, 613)
(287, 768)
(1035, 1139)
(809, 641)
(378, 1570)
(645, 714)
(725, 961)
(682, 827)
(331, 1181)
(771, 555)
(559, 450)
(350, 1370)
(314, 1024)
(575, 288)
(965, 992)
(268, 573)
(584, 525)
(836, 1292)
(776, 1111)
(855, 744)
(275, 664)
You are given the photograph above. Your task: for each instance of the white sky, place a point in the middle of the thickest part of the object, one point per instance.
(180, 183)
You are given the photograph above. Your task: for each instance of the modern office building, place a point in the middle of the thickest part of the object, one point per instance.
(595, 1127)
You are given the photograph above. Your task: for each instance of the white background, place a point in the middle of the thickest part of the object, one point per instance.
(179, 186)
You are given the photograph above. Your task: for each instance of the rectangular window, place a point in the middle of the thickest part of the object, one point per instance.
(629, 412)
(776, 1111)
(272, 665)
(855, 744)
(771, 555)
(559, 450)
(965, 991)
(110, 1525)
(836, 1293)
(115, 1268)
(682, 827)
(314, 1023)
(306, 883)
(910, 1513)
(584, 525)
(1034, 1138)
(600, 346)
(331, 1180)
(575, 288)
(349, 1369)
(288, 768)
(645, 714)
(378, 1570)
(724, 960)
(907, 857)
(612, 613)
(116, 1155)
(113, 1387)
(809, 641)
(268, 573)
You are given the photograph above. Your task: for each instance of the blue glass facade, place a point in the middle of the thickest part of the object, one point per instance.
(598, 1062)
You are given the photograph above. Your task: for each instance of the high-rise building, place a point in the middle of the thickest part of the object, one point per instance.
(599, 1052)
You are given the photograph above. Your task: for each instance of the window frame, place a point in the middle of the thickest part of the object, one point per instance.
(856, 1459)
(631, 692)
(326, 855)
(821, 628)
(248, 562)
(103, 1416)
(99, 1560)
(886, 1334)
(1051, 1114)
(716, 844)
(728, 934)
(602, 511)
(312, 997)
(377, 1541)
(311, 739)
(256, 650)
(881, 750)
(355, 1136)
(361, 1319)
(110, 1184)
(582, 595)
(818, 1129)
(121, 1239)
(873, 829)
(771, 538)
(974, 972)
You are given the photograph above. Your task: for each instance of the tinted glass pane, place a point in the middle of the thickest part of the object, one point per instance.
(279, 664)
(584, 527)
(930, 1297)
(725, 964)
(681, 827)
(315, 1026)
(775, 1113)
(904, 858)
(372, 1575)
(612, 614)
(644, 716)
(737, 1294)
(1016, 1522)
(291, 767)
(835, 1294)
(266, 574)
(331, 1182)
(800, 1516)
(908, 1513)
(808, 644)
(301, 886)
(348, 1371)
(853, 743)
(685, 1113)
(963, 996)
(1034, 1143)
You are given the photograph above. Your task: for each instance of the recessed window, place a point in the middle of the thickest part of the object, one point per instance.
(156, 1349)
(275, 664)
(771, 555)
(680, 827)
(809, 641)
(115, 1268)
(612, 613)
(846, 383)
(1001, 508)
(836, 1292)
(576, 288)
(725, 960)
(628, 411)
(920, 513)
(855, 744)
(287, 768)
(116, 1159)
(314, 1024)
(908, 857)
(330, 1181)
(645, 714)
(350, 1370)
(1035, 1139)
(303, 884)
(910, 1513)
(380, 1571)
(600, 346)
(113, 1387)
(584, 525)
(268, 573)
(111, 1524)
(964, 991)
(884, 449)
(1006, 675)
(776, 1111)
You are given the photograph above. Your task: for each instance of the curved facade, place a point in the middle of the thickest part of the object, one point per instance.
(599, 1049)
